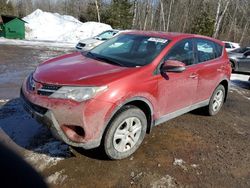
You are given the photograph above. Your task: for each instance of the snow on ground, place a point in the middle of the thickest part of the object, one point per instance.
(241, 77)
(57, 178)
(4, 100)
(36, 43)
(241, 84)
(61, 28)
(16, 123)
(47, 155)
(166, 181)
(181, 163)
(36, 142)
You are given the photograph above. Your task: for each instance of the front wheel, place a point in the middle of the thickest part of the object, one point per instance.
(216, 100)
(125, 133)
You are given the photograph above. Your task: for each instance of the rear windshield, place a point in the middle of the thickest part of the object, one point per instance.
(129, 50)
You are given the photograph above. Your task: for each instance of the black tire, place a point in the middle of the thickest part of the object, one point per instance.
(109, 140)
(232, 66)
(211, 110)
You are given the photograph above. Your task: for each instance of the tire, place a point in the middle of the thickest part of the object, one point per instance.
(216, 100)
(232, 66)
(125, 133)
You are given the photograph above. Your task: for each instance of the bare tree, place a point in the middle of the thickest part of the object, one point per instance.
(146, 16)
(97, 11)
(244, 32)
(162, 16)
(219, 17)
(169, 13)
(134, 13)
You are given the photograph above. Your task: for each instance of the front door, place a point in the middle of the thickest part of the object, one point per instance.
(177, 90)
(244, 62)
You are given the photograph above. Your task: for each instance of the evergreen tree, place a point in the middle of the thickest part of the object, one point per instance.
(203, 23)
(119, 14)
(91, 12)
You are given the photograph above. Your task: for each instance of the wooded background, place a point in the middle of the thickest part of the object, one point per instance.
(222, 19)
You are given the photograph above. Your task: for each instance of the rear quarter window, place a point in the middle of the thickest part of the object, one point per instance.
(218, 50)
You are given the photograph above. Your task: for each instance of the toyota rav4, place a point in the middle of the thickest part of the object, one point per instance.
(114, 94)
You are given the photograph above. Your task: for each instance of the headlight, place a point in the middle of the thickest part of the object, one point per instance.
(90, 45)
(78, 94)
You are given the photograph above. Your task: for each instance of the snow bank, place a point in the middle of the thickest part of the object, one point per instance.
(61, 28)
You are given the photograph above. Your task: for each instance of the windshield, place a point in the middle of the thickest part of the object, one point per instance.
(106, 35)
(129, 50)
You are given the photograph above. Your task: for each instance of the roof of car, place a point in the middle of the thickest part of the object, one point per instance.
(171, 35)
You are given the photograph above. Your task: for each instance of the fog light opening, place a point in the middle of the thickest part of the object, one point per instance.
(76, 129)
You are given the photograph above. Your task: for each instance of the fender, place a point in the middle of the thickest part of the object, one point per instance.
(120, 105)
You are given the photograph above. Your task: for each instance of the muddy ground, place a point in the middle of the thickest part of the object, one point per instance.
(193, 150)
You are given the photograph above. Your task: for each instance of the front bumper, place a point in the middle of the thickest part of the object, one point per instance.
(50, 121)
(65, 117)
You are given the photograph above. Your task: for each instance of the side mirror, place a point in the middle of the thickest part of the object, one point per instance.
(173, 66)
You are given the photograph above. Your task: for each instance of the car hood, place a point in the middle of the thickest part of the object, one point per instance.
(234, 55)
(89, 41)
(77, 69)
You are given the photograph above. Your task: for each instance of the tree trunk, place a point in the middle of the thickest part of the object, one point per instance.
(146, 16)
(169, 13)
(217, 15)
(134, 14)
(219, 18)
(97, 11)
(244, 32)
(162, 16)
(233, 19)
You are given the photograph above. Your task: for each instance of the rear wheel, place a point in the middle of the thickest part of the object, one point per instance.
(125, 133)
(217, 100)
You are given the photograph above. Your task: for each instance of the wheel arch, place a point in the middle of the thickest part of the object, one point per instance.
(140, 102)
(225, 84)
(236, 67)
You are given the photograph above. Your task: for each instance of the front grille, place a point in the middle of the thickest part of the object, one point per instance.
(81, 45)
(34, 107)
(47, 90)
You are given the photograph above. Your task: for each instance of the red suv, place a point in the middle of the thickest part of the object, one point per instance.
(115, 93)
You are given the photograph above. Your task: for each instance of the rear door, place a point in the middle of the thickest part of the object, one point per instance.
(210, 68)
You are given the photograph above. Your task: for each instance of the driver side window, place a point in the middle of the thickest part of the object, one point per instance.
(182, 51)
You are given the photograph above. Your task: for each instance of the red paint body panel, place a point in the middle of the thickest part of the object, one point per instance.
(176, 90)
(165, 93)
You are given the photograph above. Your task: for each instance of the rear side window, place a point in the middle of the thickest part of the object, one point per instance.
(207, 50)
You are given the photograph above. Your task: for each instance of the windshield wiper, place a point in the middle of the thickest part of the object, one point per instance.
(109, 60)
(105, 59)
(90, 54)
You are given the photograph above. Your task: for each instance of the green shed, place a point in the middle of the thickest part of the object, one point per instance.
(12, 27)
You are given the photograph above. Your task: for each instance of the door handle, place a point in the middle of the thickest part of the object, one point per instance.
(220, 70)
(194, 76)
